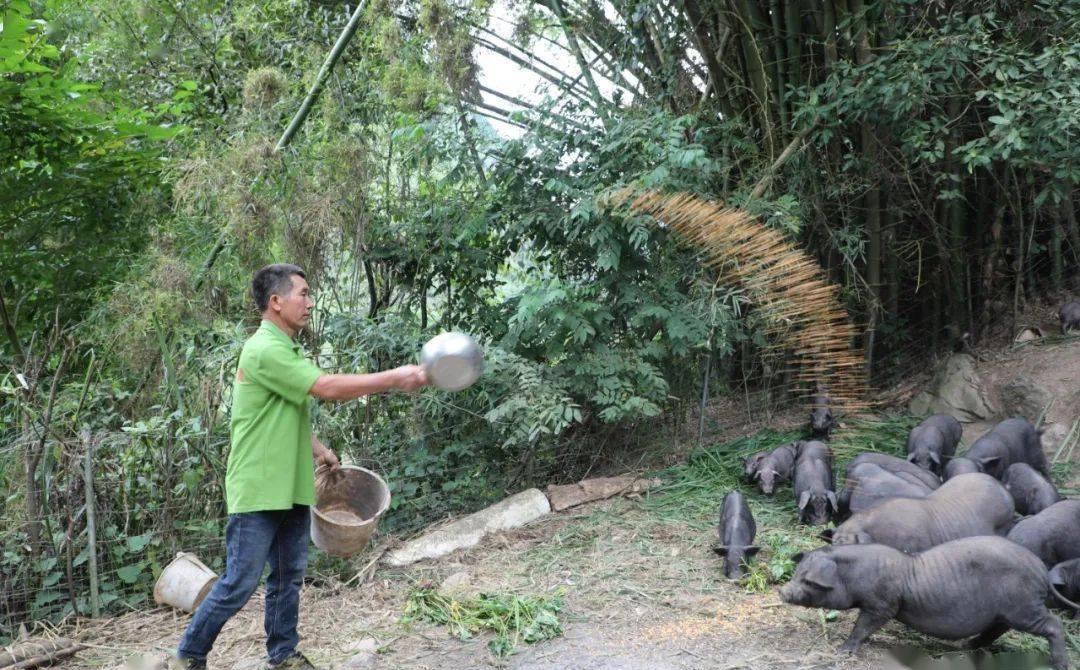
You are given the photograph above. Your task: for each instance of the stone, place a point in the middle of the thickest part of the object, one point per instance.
(599, 488)
(957, 389)
(513, 512)
(365, 654)
(1022, 397)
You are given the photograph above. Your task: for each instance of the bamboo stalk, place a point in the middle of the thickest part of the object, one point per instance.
(321, 77)
(91, 526)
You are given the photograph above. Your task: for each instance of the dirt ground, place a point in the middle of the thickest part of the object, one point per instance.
(641, 591)
(639, 595)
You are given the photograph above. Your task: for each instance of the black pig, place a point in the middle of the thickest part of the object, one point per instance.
(1031, 492)
(967, 505)
(1053, 534)
(895, 465)
(1069, 314)
(868, 484)
(931, 443)
(736, 530)
(775, 468)
(976, 586)
(960, 466)
(1065, 580)
(814, 485)
(1011, 441)
(750, 464)
(821, 418)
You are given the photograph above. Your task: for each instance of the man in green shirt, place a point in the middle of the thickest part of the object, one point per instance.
(269, 483)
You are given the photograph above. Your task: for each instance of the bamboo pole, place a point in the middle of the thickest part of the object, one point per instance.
(320, 79)
(91, 521)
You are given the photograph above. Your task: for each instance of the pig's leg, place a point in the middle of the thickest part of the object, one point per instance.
(868, 622)
(987, 637)
(1048, 626)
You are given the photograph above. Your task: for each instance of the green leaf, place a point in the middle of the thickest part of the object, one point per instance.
(130, 574)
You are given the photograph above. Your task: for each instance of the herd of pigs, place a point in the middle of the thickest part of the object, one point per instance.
(952, 546)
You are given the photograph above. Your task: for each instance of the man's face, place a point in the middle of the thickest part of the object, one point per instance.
(295, 307)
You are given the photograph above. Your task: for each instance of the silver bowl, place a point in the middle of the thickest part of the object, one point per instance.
(452, 361)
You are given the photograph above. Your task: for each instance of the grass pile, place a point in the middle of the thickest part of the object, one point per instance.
(513, 619)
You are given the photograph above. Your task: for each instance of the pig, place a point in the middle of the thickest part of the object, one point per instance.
(1011, 441)
(868, 484)
(1065, 584)
(975, 586)
(751, 462)
(897, 466)
(814, 484)
(931, 443)
(1053, 534)
(776, 468)
(821, 418)
(736, 530)
(1069, 315)
(959, 466)
(1031, 492)
(967, 505)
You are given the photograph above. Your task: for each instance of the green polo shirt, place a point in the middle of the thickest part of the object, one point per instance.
(270, 463)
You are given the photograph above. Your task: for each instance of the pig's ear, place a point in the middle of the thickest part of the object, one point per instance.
(797, 558)
(985, 463)
(827, 534)
(720, 549)
(832, 500)
(822, 574)
(804, 499)
(751, 550)
(911, 458)
(935, 458)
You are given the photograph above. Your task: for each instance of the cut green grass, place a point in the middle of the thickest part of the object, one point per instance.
(513, 619)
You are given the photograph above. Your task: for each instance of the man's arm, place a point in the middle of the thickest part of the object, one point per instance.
(349, 387)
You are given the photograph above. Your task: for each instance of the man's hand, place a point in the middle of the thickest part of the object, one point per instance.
(411, 377)
(323, 455)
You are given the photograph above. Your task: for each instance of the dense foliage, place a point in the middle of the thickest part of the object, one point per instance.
(932, 170)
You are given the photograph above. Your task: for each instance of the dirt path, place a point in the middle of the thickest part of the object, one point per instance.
(640, 593)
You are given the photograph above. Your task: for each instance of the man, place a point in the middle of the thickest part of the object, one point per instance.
(269, 483)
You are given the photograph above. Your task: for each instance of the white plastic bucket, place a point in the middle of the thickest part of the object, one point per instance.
(184, 582)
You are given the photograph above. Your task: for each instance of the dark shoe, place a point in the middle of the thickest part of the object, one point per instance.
(296, 661)
(178, 662)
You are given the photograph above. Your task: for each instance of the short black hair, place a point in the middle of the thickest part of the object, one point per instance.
(271, 280)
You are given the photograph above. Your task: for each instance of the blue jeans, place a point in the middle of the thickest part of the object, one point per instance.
(253, 539)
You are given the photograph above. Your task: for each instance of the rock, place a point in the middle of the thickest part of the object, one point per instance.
(599, 488)
(365, 655)
(1028, 334)
(957, 389)
(517, 510)
(1022, 397)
